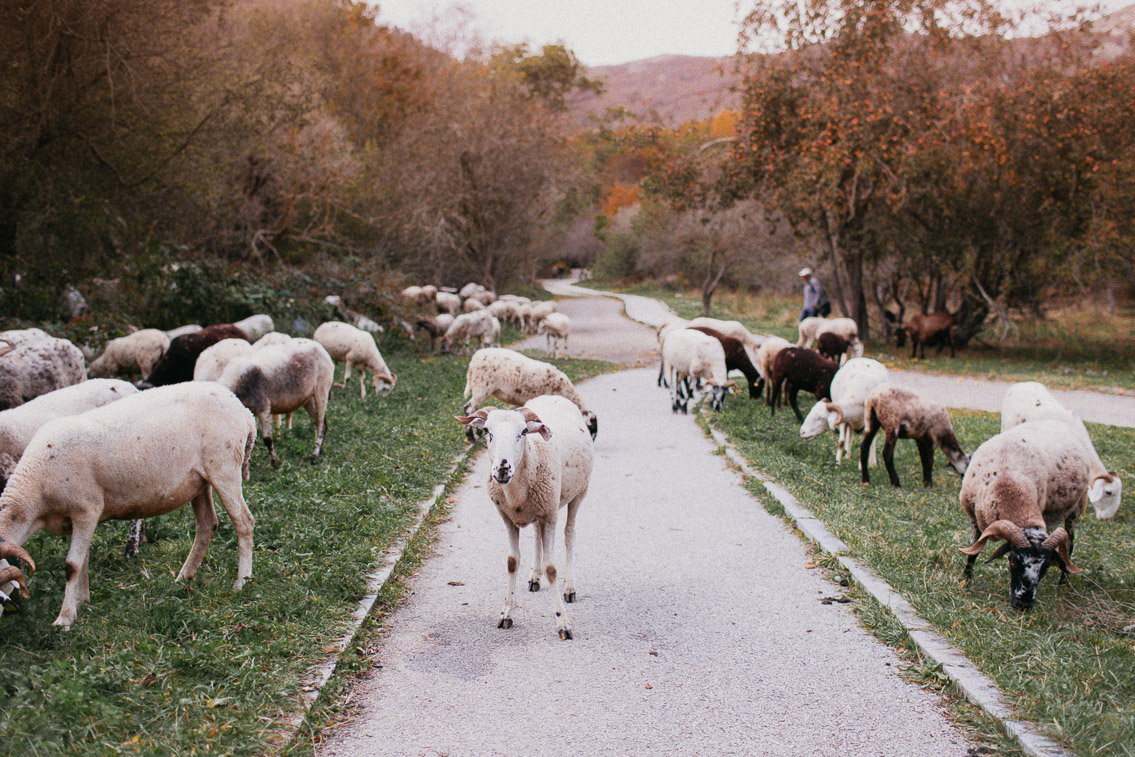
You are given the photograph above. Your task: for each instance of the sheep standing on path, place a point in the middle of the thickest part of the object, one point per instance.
(357, 348)
(689, 355)
(541, 460)
(556, 327)
(144, 455)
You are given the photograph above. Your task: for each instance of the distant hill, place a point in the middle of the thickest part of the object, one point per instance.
(681, 88)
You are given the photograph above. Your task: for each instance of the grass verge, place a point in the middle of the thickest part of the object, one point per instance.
(156, 667)
(1069, 664)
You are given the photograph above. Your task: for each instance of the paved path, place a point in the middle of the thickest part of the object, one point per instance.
(698, 631)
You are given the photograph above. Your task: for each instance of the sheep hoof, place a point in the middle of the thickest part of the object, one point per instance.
(565, 634)
(505, 623)
(275, 462)
(533, 586)
(314, 459)
(864, 483)
(569, 597)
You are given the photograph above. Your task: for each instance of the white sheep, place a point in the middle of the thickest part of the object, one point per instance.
(766, 357)
(139, 352)
(735, 329)
(466, 326)
(540, 461)
(191, 328)
(538, 312)
(213, 359)
(18, 425)
(556, 327)
(902, 414)
(810, 329)
(38, 366)
(271, 338)
(515, 378)
(844, 413)
(256, 326)
(505, 310)
(280, 379)
(1019, 485)
(411, 295)
(357, 348)
(354, 317)
(470, 289)
(1031, 401)
(471, 305)
(688, 355)
(18, 336)
(447, 302)
(146, 454)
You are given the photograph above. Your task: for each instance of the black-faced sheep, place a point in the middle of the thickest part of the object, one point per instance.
(1019, 485)
(935, 328)
(797, 369)
(180, 360)
(144, 455)
(737, 358)
(689, 355)
(540, 461)
(37, 366)
(902, 414)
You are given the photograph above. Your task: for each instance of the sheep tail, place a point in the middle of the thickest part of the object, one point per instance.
(246, 465)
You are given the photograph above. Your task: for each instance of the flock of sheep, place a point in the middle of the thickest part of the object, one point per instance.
(1025, 486)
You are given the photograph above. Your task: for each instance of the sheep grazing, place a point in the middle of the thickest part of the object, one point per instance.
(515, 378)
(902, 414)
(213, 359)
(469, 325)
(256, 326)
(471, 305)
(689, 355)
(537, 313)
(844, 413)
(180, 360)
(353, 317)
(469, 290)
(355, 347)
(139, 352)
(12, 578)
(282, 379)
(37, 366)
(737, 357)
(1019, 485)
(411, 295)
(766, 356)
(447, 302)
(807, 330)
(796, 368)
(834, 347)
(556, 328)
(271, 338)
(506, 311)
(18, 425)
(147, 455)
(935, 328)
(1031, 401)
(540, 460)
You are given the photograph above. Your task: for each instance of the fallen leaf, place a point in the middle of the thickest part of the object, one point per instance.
(456, 583)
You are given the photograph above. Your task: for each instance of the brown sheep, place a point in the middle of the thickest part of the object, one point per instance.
(177, 365)
(902, 414)
(935, 328)
(800, 368)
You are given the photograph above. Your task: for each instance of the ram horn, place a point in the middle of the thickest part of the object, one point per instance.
(999, 529)
(1058, 540)
(11, 551)
(12, 573)
(837, 410)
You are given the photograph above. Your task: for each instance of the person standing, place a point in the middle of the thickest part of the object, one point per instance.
(815, 303)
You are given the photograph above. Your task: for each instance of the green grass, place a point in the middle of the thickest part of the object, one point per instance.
(1072, 349)
(155, 667)
(1068, 664)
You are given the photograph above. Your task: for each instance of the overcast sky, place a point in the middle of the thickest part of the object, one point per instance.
(600, 33)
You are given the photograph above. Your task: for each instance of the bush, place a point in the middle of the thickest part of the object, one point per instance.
(620, 259)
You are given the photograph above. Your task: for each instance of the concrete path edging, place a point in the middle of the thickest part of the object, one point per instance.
(973, 684)
(289, 726)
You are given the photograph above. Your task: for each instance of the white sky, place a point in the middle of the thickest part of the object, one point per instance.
(599, 32)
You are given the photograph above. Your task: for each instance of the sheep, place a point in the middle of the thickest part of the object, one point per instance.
(735, 329)
(411, 295)
(807, 330)
(121, 461)
(902, 414)
(835, 347)
(538, 312)
(1031, 401)
(766, 356)
(1020, 484)
(15, 337)
(737, 357)
(505, 310)
(18, 425)
(798, 368)
(37, 366)
(670, 324)
(355, 347)
(256, 326)
(486, 297)
(844, 413)
(469, 325)
(213, 359)
(354, 317)
(471, 304)
(281, 379)
(540, 460)
(555, 327)
(515, 378)
(447, 302)
(12, 578)
(139, 351)
(844, 327)
(935, 328)
(271, 338)
(689, 354)
(469, 290)
(427, 297)
(191, 328)
(180, 360)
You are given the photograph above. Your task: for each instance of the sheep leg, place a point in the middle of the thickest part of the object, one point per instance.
(77, 591)
(264, 422)
(229, 490)
(135, 538)
(538, 563)
(513, 568)
(793, 391)
(867, 447)
(318, 412)
(842, 444)
(206, 517)
(967, 572)
(362, 383)
(926, 454)
(889, 456)
(569, 547)
(547, 533)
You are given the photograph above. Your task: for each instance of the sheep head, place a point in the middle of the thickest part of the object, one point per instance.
(823, 417)
(383, 383)
(1104, 493)
(1029, 558)
(506, 432)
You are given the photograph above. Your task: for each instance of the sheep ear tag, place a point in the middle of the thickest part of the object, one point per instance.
(536, 427)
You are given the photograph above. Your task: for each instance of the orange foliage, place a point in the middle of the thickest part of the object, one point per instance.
(724, 124)
(620, 196)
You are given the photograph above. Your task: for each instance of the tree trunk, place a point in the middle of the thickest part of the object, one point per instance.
(712, 281)
(853, 266)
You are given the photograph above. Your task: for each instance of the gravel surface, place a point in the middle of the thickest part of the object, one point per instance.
(699, 627)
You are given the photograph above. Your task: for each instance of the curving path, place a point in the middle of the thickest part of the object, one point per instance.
(699, 627)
